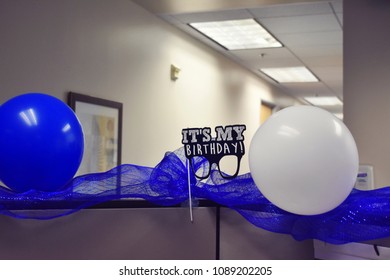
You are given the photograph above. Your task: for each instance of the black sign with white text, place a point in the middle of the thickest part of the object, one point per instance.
(227, 141)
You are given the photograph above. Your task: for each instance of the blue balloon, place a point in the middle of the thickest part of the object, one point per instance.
(41, 143)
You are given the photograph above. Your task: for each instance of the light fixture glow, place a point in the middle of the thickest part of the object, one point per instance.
(290, 74)
(237, 34)
(324, 101)
(29, 117)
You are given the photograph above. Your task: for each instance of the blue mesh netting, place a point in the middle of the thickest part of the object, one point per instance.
(364, 215)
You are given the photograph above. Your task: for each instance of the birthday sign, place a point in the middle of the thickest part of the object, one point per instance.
(199, 144)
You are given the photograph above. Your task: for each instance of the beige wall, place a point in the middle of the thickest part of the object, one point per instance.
(119, 51)
(367, 82)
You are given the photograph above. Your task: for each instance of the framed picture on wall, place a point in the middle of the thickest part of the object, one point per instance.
(101, 120)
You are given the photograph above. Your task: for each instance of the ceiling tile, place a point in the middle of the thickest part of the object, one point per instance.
(311, 38)
(329, 73)
(171, 19)
(301, 24)
(213, 16)
(289, 10)
(337, 6)
(264, 54)
(280, 57)
(340, 18)
(337, 88)
(301, 90)
(318, 51)
(324, 61)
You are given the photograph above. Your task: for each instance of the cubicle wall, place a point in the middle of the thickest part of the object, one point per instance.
(239, 239)
(145, 233)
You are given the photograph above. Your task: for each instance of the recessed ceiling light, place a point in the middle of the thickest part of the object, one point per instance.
(237, 34)
(290, 74)
(324, 100)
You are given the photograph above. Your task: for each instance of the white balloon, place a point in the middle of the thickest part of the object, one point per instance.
(304, 160)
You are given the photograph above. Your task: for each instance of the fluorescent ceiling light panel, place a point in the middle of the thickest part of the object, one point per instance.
(237, 34)
(324, 101)
(290, 74)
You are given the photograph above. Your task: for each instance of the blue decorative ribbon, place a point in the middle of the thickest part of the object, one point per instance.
(364, 215)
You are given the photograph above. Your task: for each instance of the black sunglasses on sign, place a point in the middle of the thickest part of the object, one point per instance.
(228, 162)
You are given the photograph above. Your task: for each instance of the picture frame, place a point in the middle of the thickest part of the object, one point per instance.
(101, 120)
(87, 109)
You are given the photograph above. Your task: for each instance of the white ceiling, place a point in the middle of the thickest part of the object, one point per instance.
(310, 31)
